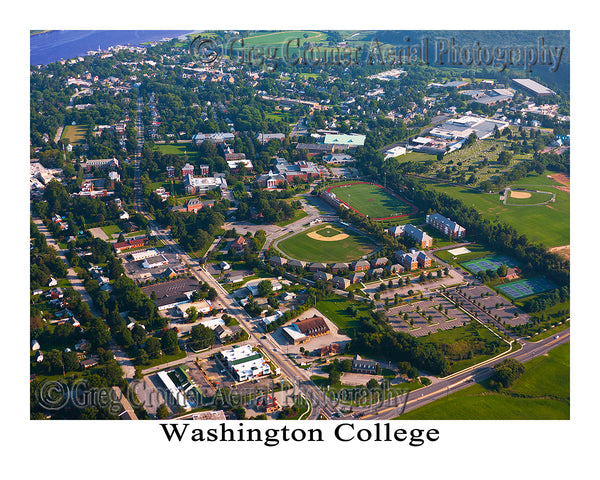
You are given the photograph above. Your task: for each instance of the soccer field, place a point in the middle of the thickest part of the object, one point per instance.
(372, 200)
(327, 244)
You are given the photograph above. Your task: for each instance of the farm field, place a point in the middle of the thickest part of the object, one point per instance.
(547, 224)
(303, 246)
(542, 393)
(278, 38)
(372, 201)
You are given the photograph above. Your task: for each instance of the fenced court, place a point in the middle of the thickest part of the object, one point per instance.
(525, 288)
(488, 263)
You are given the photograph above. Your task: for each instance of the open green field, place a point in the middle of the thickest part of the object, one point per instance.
(456, 343)
(372, 200)
(75, 134)
(180, 149)
(335, 308)
(547, 224)
(542, 393)
(302, 247)
(282, 37)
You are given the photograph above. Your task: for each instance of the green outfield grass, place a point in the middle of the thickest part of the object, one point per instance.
(534, 199)
(371, 200)
(547, 224)
(302, 247)
(542, 393)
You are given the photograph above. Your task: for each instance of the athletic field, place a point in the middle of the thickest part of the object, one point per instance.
(372, 201)
(525, 288)
(326, 243)
(488, 263)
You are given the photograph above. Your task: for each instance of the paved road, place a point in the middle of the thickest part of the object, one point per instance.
(465, 378)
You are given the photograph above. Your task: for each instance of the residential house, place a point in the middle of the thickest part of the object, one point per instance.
(361, 266)
(321, 275)
(275, 261)
(299, 264)
(339, 267)
(238, 244)
(339, 282)
(356, 277)
(313, 267)
(379, 262)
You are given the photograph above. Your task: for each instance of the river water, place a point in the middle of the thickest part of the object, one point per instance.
(57, 45)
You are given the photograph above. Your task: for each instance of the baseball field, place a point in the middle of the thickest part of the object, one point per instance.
(326, 243)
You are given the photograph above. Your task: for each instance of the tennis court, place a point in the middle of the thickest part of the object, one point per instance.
(524, 288)
(488, 263)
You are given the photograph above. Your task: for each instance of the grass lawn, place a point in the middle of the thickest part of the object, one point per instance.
(335, 308)
(180, 149)
(542, 393)
(456, 342)
(111, 230)
(547, 224)
(298, 214)
(164, 359)
(302, 247)
(372, 200)
(75, 134)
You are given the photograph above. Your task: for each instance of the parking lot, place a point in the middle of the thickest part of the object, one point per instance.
(497, 305)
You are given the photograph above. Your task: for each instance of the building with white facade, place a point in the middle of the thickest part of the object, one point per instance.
(245, 363)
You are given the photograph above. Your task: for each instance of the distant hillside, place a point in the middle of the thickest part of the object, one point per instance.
(495, 38)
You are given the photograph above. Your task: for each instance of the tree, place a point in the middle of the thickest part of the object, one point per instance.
(264, 288)
(70, 361)
(162, 411)
(192, 314)
(152, 346)
(335, 377)
(138, 333)
(169, 343)
(506, 372)
(502, 271)
(202, 337)
(372, 384)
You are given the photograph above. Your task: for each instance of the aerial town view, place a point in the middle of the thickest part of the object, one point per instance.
(338, 225)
